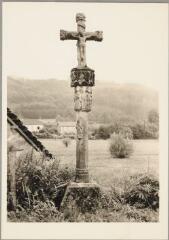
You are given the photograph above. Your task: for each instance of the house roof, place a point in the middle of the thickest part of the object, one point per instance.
(67, 124)
(26, 134)
(29, 121)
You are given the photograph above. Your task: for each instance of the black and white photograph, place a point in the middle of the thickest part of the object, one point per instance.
(84, 89)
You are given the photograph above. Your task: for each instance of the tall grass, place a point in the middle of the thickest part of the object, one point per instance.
(41, 186)
(39, 180)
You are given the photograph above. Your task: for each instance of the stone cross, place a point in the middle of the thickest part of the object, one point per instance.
(82, 79)
(81, 36)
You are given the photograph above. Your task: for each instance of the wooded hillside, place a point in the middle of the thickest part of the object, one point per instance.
(53, 98)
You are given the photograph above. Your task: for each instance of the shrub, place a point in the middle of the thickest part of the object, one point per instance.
(126, 132)
(134, 201)
(39, 180)
(142, 192)
(102, 132)
(120, 147)
(153, 117)
(145, 131)
(66, 142)
(40, 212)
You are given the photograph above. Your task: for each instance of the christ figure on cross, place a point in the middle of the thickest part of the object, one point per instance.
(81, 36)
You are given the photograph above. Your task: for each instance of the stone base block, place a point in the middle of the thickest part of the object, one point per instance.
(81, 197)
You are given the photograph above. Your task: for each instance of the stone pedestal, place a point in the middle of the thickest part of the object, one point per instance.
(81, 197)
(82, 79)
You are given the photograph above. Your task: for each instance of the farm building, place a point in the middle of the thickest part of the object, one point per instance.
(18, 131)
(21, 144)
(66, 127)
(33, 125)
(49, 121)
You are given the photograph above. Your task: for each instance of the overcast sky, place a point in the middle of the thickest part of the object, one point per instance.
(134, 47)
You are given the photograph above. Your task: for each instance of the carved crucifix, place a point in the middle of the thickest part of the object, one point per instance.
(82, 79)
(81, 36)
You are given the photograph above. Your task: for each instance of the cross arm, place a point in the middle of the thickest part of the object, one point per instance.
(65, 35)
(96, 36)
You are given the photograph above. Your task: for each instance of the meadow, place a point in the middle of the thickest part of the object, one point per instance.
(129, 187)
(102, 167)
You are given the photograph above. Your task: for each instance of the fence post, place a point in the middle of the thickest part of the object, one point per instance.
(12, 179)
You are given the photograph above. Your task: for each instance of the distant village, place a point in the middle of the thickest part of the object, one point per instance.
(53, 127)
(36, 125)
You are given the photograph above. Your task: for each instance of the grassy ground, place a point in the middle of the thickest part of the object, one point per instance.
(124, 198)
(105, 169)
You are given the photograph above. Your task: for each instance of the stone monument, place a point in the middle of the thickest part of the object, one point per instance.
(82, 79)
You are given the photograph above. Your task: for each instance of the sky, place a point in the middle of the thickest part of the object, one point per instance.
(134, 47)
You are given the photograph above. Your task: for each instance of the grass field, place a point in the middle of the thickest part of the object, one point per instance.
(122, 199)
(105, 169)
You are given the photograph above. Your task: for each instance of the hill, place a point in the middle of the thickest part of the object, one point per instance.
(53, 98)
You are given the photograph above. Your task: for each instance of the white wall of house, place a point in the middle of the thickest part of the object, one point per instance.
(67, 129)
(34, 127)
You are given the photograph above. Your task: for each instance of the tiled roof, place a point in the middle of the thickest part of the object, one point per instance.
(28, 121)
(67, 124)
(26, 134)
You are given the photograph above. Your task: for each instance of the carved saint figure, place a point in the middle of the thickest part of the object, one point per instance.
(81, 50)
(81, 43)
(77, 99)
(81, 79)
(88, 98)
(79, 128)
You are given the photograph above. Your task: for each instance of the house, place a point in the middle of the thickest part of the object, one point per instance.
(17, 128)
(21, 144)
(49, 121)
(33, 125)
(66, 127)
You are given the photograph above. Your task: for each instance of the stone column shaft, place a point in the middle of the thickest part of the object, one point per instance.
(83, 101)
(82, 174)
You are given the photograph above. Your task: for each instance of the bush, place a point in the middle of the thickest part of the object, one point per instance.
(126, 132)
(153, 117)
(39, 180)
(120, 147)
(142, 192)
(145, 131)
(103, 132)
(40, 212)
(137, 200)
(44, 134)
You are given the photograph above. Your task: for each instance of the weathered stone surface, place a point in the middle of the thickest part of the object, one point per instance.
(82, 77)
(84, 197)
(82, 174)
(82, 99)
(81, 36)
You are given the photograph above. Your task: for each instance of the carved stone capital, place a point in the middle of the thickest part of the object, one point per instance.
(83, 99)
(82, 77)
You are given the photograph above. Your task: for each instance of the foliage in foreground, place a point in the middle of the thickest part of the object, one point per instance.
(41, 186)
(40, 180)
(120, 147)
(47, 212)
(142, 192)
